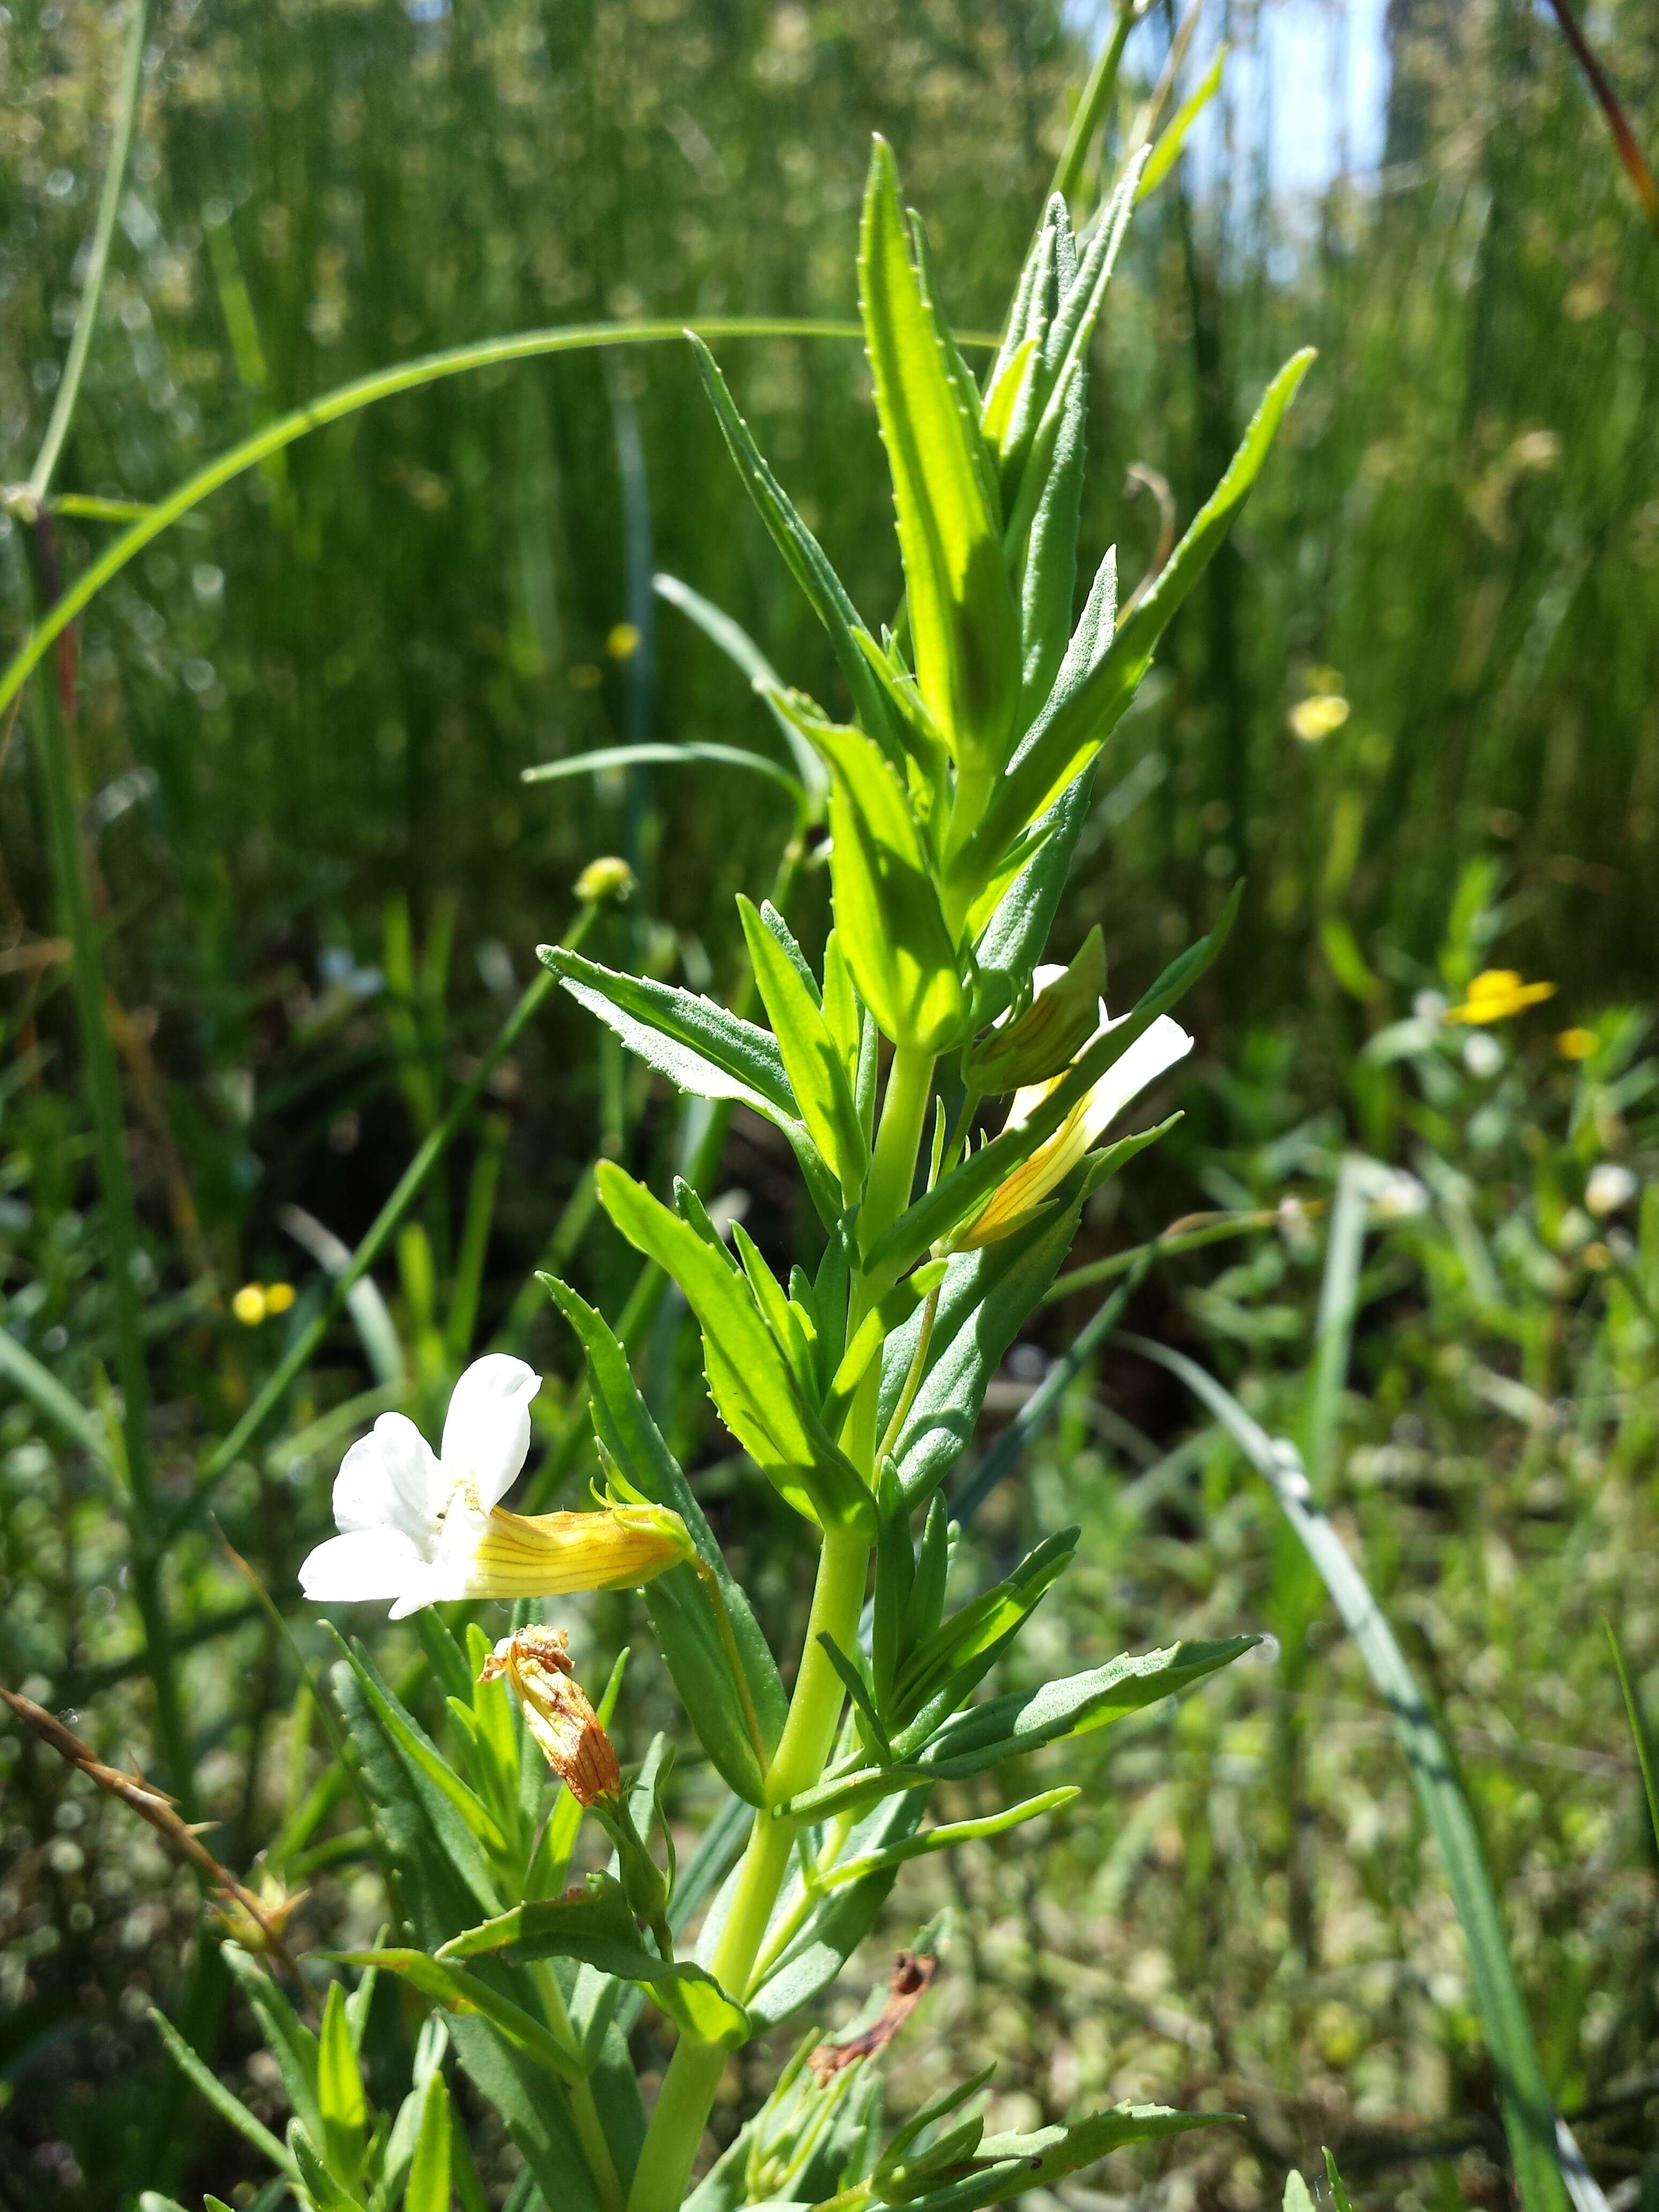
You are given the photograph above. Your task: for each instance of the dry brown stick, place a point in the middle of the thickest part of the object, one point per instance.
(154, 1806)
(1637, 167)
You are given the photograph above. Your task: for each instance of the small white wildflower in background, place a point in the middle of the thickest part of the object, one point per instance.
(1396, 1194)
(1608, 1186)
(1430, 1006)
(1482, 1055)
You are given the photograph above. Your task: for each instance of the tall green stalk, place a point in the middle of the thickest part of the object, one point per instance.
(54, 712)
(693, 2073)
(103, 1087)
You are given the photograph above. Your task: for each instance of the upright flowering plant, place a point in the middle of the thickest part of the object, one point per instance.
(957, 791)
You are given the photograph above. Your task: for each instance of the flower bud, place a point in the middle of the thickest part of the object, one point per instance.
(536, 1664)
(604, 880)
(1053, 1028)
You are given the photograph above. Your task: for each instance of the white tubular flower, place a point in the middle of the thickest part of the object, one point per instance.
(417, 1527)
(1011, 1206)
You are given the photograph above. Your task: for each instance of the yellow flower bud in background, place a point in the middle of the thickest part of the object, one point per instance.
(535, 1662)
(1576, 1044)
(279, 1296)
(249, 1304)
(622, 642)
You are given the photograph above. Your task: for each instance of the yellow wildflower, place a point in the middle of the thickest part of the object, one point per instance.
(249, 1304)
(1575, 1043)
(1496, 994)
(622, 642)
(1317, 715)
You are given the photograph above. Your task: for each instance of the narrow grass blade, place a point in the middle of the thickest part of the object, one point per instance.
(1529, 2119)
(366, 392)
(680, 756)
(86, 314)
(51, 1400)
(1645, 1751)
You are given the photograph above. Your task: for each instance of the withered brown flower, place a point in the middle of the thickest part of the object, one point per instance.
(536, 1664)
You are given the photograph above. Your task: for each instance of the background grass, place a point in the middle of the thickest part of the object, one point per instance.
(302, 717)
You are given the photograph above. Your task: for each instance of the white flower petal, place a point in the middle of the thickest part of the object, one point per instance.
(487, 1432)
(365, 1565)
(1156, 1049)
(389, 1480)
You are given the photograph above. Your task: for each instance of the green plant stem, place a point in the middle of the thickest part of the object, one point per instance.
(918, 1365)
(693, 2073)
(809, 1733)
(898, 1139)
(103, 1086)
(374, 1240)
(1215, 1229)
(1092, 107)
(584, 2113)
(86, 313)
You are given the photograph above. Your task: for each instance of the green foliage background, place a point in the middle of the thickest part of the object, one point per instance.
(304, 714)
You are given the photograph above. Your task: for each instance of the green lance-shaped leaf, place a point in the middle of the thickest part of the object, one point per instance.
(753, 1386)
(1008, 1727)
(467, 1995)
(595, 1926)
(963, 1191)
(888, 917)
(340, 2097)
(206, 2083)
(1065, 741)
(1013, 940)
(947, 1836)
(817, 1074)
(289, 2041)
(843, 1014)
(1006, 2167)
(809, 564)
(944, 1669)
(1014, 933)
(710, 1640)
(963, 620)
(700, 1047)
(429, 2186)
(323, 2186)
(889, 1314)
(1079, 298)
(1167, 151)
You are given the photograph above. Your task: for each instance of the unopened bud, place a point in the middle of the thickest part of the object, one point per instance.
(605, 879)
(536, 1664)
(1051, 1032)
